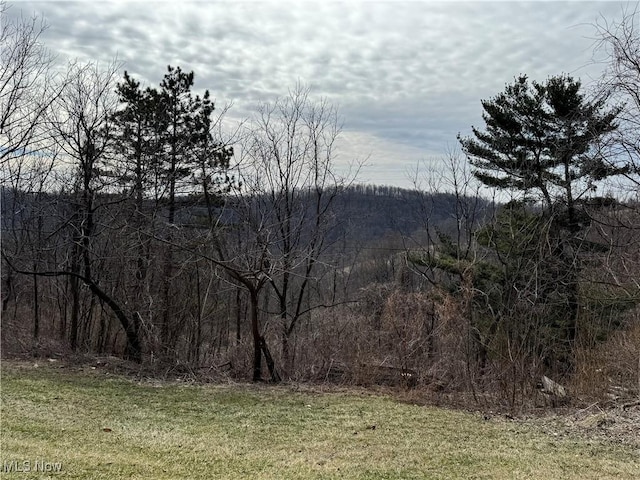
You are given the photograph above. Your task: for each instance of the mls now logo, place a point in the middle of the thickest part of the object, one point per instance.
(39, 465)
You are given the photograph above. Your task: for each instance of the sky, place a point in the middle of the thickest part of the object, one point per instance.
(406, 77)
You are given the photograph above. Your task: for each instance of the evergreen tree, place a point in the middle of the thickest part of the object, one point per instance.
(541, 141)
(135, 131)
(187, 121)
(166, 150)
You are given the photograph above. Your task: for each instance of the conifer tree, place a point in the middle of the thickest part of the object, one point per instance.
(541, 144)
(541, 140)
(167, 152)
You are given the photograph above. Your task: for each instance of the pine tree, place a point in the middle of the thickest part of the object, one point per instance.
(166, 151)
(134, 127)
(541, 139)
(540, 143)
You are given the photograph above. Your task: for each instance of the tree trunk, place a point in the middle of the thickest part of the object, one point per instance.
(166, 293)
(8, 289)
(238, 316)
(36, 309)
(255, 331)
(131, 327)
(74, 284)
(286, 353)
(275, 378)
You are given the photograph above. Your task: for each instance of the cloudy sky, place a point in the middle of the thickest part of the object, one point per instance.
(406, 76)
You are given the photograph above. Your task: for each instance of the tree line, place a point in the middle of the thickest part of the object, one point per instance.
(136, 221)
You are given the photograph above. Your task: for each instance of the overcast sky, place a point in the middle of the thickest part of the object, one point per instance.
(406, 76)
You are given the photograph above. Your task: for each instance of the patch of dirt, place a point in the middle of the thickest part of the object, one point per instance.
(619, 425)
(616, 421)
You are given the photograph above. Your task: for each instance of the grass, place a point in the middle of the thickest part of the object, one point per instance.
(100, 426)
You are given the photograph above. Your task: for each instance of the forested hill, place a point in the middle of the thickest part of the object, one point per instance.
(363, 214)
(370, 213)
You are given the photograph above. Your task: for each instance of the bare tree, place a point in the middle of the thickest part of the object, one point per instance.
(27, 87)
(619, 42)
(454, 177)
(79, 125)
(446, 255)
(292, 181)
(276, 222)
(26, 205)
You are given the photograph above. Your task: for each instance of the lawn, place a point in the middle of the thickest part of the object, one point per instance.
(83, 423)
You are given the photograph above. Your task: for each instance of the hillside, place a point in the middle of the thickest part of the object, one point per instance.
(369, 213)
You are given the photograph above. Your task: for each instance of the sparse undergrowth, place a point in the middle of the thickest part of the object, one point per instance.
(103, 426)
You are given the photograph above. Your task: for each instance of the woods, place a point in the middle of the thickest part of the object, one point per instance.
(140, 221)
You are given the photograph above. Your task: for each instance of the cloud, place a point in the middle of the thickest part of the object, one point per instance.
(407, 76)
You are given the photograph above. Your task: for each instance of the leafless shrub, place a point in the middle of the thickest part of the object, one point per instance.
(611, 371)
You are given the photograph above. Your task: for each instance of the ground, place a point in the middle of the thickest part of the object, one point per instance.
(593, 423)
(104, 418)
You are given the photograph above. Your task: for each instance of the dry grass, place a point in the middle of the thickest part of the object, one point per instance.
(100, 426)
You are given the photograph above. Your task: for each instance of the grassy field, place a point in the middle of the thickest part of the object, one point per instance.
(94, 425)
